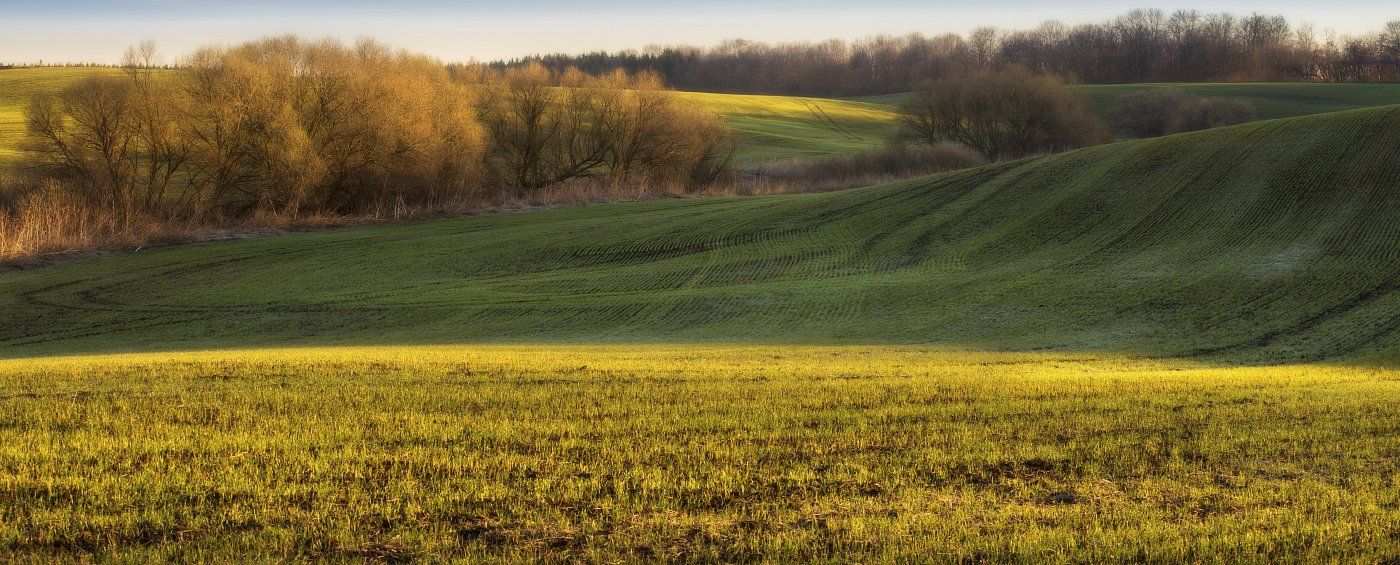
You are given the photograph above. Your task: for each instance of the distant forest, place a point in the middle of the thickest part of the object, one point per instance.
(1139, 46)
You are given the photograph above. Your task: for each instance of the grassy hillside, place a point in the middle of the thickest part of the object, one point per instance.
(1270, 100)
(782, 127)
(1277, 241)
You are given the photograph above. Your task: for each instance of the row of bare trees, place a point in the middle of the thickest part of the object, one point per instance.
(1139, 46)
(292, 128)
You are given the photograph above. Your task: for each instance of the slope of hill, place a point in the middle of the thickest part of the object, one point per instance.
(1277, 240)
(782, 127)
(1270, 100)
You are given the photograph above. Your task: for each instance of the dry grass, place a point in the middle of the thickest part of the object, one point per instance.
(54, 222)
(39, 225)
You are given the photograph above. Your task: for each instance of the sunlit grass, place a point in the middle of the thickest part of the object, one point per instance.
(784, 127)
(694, 452)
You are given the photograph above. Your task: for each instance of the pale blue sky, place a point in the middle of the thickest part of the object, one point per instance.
(83, 30)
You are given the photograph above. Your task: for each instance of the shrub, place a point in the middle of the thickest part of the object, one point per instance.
(1205, 113)
(1006, 114)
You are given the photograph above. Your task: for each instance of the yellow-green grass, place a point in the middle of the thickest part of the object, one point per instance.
(787, 127)
(697, 453)
(1178, 349)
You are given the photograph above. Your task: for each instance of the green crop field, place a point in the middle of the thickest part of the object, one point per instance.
(1273, 240)
(1175, 349)
(786, 127)
(693, 453)
(1270, 100)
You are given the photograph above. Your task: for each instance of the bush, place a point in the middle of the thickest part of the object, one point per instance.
(1157, 112)
(1205, 113)
(1006, 114)
(1147, 113)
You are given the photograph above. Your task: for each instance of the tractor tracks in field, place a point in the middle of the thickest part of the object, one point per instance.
(826, 120)
(1311, 322)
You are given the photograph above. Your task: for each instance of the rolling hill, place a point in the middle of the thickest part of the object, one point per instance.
(1270, 100)
(1272, 241)
(785, 127)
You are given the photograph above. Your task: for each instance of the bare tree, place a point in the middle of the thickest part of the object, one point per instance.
(88, 135)
(1010, 113)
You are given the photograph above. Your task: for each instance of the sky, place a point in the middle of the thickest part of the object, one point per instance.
(91, 30)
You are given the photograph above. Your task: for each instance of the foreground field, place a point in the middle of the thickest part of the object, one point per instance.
(702, 453)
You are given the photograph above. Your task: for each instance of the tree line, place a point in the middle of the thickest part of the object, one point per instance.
(293, 128)
(1138, 46)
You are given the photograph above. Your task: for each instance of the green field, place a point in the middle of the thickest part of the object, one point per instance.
(1273, 241)
(1270, 100)
(694, 453)
(787, 127)
(1166, 350)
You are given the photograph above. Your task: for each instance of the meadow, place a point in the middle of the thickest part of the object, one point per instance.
(1267, 242)
(1269, 100)
(791, 127)
(694, 453)
(1165, 350)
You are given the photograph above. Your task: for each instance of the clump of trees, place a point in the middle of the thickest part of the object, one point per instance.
(279, 126)
(1005, 114)
(1165, 111)
(293, 128)
(1138, 46)
(546, 127)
